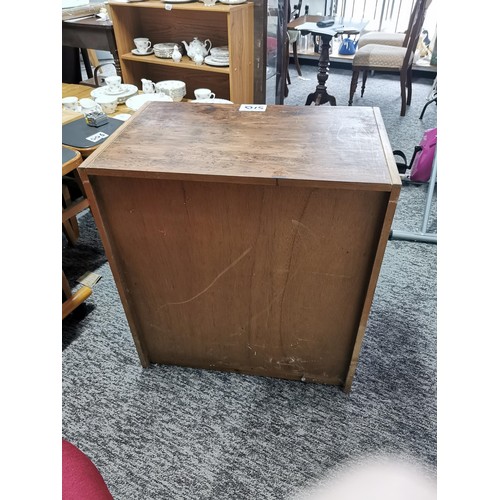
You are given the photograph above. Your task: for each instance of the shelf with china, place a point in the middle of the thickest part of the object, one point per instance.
(223, 25)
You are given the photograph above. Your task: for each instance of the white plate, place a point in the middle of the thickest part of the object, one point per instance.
(178, 1)
(223, 49)
(213, 101)
(137, 53)
(138, 100)
(212, 62)
(129, 91)
(232, 2)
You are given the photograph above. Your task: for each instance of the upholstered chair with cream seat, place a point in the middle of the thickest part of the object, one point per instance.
(393, 39)
(377, 57)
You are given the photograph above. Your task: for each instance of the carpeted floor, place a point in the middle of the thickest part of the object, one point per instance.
(186, 434)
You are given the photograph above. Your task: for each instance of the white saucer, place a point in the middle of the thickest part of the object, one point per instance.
(215, 100)
(122, 116)
(212, 62)
(129, 91)
(137, 53)
(114, 92)
(232, 2)
(138, 100)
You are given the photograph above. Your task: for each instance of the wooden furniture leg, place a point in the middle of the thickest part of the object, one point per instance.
(321, 95)
(94, 60)
(296, 58)
(73, 300)
(70, 225)
(354, 84)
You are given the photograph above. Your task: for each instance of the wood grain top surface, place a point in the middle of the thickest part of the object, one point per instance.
(284, 144)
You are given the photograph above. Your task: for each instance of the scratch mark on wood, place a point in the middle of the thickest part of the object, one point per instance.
(224, 271)
(332, 274)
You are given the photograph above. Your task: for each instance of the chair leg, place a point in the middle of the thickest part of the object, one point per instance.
(296, 58)
(408, 85)
(70, 226)
(354, 84)
(402, 77)
(363, 85)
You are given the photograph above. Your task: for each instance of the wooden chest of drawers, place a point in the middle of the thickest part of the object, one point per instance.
(247, 241)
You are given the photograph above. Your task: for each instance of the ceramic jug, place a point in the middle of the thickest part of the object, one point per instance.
(148, 87)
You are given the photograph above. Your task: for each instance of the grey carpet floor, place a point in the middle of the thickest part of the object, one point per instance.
(180, 433)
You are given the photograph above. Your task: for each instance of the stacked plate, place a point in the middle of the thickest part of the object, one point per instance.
(164, 50)
(219, 56)
(176, 89)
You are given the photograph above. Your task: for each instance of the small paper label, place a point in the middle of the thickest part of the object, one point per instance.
(253, 107)
(97, 137)
(89, 279)
(168, 6)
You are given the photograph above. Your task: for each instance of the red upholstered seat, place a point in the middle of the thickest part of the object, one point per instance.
(80, 478)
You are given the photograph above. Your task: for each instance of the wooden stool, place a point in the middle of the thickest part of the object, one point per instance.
(70, 161)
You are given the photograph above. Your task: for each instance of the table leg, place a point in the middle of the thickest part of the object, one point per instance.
(321, 96)
(114, 52)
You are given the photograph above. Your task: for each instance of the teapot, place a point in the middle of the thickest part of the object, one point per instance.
(347, 47)
(197, 47)
(148, 87)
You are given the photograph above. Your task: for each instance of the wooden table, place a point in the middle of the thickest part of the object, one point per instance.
(341, 27)
(81, 91)
(247, 241)
(91, 33)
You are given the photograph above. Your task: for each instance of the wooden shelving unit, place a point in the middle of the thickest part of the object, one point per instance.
(230, 25)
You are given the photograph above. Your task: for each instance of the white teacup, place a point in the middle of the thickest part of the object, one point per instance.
(89, 105)
(204, 94)
(114, 83)
(108, 103)
(70, 103)
(142, 44)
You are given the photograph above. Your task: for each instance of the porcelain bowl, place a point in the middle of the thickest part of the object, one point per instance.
(164, 50)
(176, 89)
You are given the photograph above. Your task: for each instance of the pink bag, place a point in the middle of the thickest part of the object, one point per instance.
(421, 165)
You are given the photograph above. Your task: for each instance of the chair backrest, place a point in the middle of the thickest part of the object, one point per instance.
(414, 30)
(417, 7)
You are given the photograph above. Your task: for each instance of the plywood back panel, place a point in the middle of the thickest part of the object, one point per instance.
(266, 280)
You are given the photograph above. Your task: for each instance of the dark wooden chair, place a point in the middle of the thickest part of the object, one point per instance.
(377, 57)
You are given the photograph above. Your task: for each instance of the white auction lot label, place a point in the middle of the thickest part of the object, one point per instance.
(253, 107)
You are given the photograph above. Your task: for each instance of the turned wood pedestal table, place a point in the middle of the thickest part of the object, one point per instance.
(246, 241)
(306, 25)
